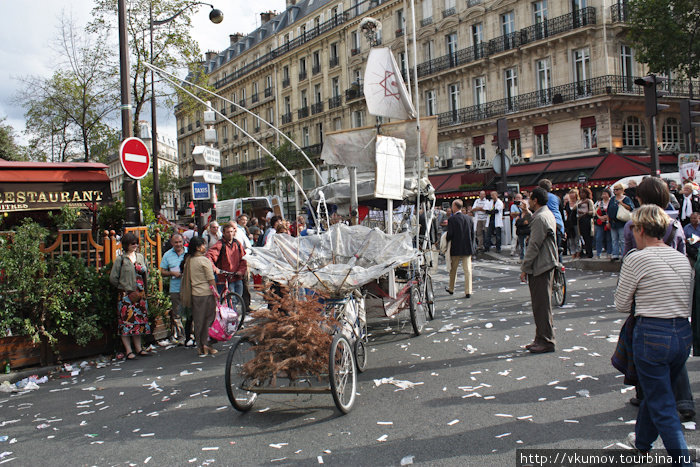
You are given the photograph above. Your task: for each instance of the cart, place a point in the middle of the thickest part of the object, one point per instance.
(337, 263)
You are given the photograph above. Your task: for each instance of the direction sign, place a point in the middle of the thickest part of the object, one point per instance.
(204, 155)
(200, 191)
(135, 158)
(208, 176)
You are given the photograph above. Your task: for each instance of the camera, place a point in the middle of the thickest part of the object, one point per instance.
(516, 202)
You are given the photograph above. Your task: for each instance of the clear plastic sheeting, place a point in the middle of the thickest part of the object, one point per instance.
(338, 193)
(335, 262)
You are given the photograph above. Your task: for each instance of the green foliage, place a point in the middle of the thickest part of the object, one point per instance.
(666, 35)
(49, 298)
(159, 303)
(233, 186)
(111, 217)
(289, 156)
(167, 182)
(9, 150)
(66, 218)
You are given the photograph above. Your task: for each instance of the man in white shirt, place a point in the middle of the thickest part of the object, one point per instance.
(242, 233)
(494, 223)
(189, 233)
(479, 209)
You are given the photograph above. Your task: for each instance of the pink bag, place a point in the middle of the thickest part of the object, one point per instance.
(225, 324)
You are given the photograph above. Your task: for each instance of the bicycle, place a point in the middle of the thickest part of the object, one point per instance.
(559, 286)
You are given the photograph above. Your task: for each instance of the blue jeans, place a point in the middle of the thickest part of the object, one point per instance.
(233, 286)
(618, 240)
(522, 241)
(602, 240)
(660, 347)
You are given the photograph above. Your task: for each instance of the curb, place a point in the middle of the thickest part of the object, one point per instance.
(583, 264)
(19, 375)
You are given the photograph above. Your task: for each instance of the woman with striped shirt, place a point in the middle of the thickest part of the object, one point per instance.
(658, 280)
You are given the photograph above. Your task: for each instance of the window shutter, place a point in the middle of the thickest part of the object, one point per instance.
(541, 129)
(588, 122)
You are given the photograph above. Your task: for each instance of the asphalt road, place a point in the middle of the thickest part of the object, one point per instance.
(478, 396)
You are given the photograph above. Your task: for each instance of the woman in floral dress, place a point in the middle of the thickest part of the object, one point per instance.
(129, 274)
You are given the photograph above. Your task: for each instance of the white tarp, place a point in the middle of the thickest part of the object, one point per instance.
(336, 262)
(357, 148)
(389, 177)
(385, 91)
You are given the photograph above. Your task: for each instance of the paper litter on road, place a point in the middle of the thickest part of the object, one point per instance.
(689, 425)
(400, 384)
(320, 459)
(503, 435)
(408, 460)
(505, 290)
(278, 445)
(488, 325)
(385, 423)
(571, 421)
(211, 448)
(469, 348)
(382, 438)
(453, 422)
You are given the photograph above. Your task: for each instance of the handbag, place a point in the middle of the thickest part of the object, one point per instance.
(226, 323)
(623, 215)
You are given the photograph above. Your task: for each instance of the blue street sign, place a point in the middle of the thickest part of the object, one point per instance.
(200, 191)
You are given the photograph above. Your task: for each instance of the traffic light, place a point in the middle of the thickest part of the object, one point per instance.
(502, 133)
(687, 115)
(651, 94)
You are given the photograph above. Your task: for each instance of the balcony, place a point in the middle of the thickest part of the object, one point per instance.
(189, 127)
(334, 102)
(355, 92)
(303, 112)
(317, 108)
(302, 75)
(334, 61)
(242, 102)
(198, 124)
(601, 86)
(225, 140)
(313, 150)
(254, 98)
(232, 108)
(426, 21)
(551, 27)
(619, 13)
(471, 3)
(316, 69)
(355, 51)
(268, 92)
(287, 118)
(254, 165)
(399, 32)
(449, 12)
(285, 82)
(182, 131)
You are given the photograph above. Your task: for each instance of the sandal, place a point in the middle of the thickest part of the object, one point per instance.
(131, 356)
(144, 353)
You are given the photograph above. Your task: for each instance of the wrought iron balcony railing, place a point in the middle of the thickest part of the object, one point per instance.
(334, 102)
(303, 112)
(317, 108)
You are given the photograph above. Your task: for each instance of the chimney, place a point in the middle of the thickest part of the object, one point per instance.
(291, 3)
(265, 17)
(234, 38)
(211, 55)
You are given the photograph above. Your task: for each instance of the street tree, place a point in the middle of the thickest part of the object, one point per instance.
(666, 35)
(69, 113)
(233, 186)
(9, 149)
(167, 182)
(174, 50)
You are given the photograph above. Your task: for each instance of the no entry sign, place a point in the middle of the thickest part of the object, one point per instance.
(135, 158)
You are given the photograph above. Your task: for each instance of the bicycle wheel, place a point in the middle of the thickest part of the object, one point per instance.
(342, 374)
(361, 356)
(559, 288)
(429, 297)
(417, 310)
(235, 301)
(240, 353)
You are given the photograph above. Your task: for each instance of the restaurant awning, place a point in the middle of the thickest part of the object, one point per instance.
(39, 186)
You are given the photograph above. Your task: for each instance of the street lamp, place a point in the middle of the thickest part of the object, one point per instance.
(216, 16)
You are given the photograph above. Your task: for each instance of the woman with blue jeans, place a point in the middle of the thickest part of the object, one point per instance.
(617, 227)
(602, 225)
(658, 280)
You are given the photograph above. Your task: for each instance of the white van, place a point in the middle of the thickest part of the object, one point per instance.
(675, 176)
(256, 206)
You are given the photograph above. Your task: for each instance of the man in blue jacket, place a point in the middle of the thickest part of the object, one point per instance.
(460, 234)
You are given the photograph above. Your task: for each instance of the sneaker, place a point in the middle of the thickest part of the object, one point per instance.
(189, 343)
(686, 415)
(164, 343)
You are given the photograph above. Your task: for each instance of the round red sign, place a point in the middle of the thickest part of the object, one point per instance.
(135, 158)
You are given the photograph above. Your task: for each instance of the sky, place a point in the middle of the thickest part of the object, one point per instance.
(30, 26)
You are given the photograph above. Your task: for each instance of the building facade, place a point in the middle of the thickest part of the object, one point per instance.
(167, 160)
(560, 72)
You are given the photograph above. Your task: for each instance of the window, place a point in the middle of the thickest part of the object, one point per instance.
(589, 133)
(244, 124)
(626, 68)
(338, 124)
(430, 104)
(544, 81)
(478, 150)
(308, 179)
(514, 143)
(428, 51)
(539, 16)
(451, 47)
(449, 4)
(270, 115)
(478, 39)
(317, 94)
(510, 76)
(399, 23)
(671, 135)
(316, 62)
(355, 41)
(358, 118)
(319, 133)
(582, 71)
(287, 105)
(304, 102)
(302, 68)
(334, 54)
(507, 23)
(335, 86)
(305, 137)
(427, 9)
(479, 85)
(633, 132)
(402, 63)
(542, 144)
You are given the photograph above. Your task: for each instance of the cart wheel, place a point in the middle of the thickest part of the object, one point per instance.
(342, 374)
(418, 312)
(559, 287)
(235, 301)
(361, 356)
(429, 299)
(240, 353)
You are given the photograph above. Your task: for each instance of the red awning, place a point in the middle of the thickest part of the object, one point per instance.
(588, 122)
(541, 129)
(48, 172)
(528, 168)
(451, 182)
(573, 164)
(617, 166)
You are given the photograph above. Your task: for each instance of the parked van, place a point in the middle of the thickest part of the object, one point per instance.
(255, 206)
(675, 176)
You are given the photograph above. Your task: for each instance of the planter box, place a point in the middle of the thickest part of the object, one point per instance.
(21, 351)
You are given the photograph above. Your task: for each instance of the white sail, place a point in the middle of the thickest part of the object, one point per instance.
(385, 91)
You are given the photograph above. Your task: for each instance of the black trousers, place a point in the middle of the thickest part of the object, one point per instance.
(584, 228)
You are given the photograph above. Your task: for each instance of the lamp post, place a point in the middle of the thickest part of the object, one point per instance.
(215, 16)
